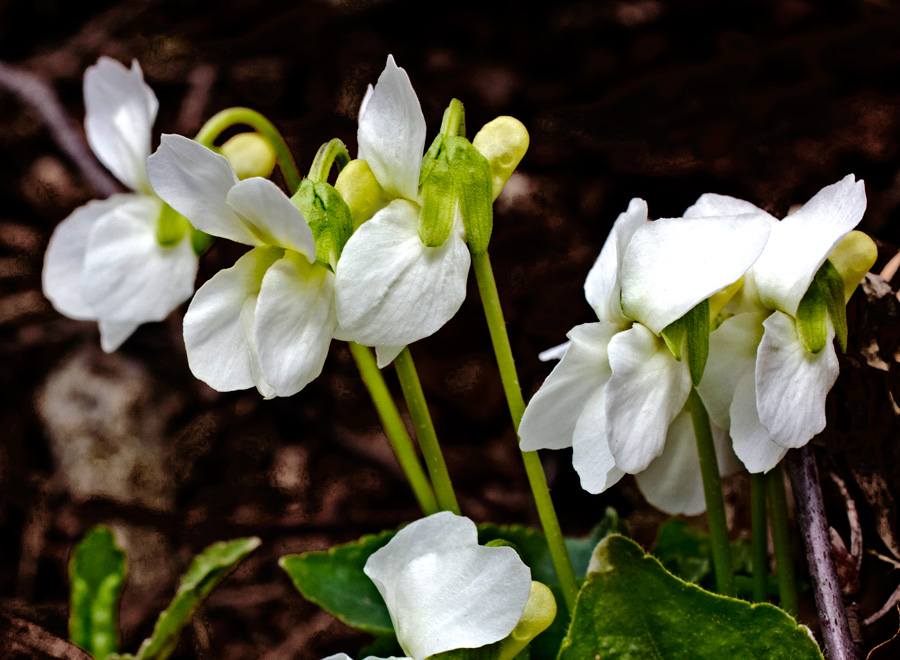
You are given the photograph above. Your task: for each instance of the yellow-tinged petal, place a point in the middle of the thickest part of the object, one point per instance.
(361, 190)
(503, 141)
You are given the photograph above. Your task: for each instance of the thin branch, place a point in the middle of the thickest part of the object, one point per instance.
(41, 97)
(813, 525)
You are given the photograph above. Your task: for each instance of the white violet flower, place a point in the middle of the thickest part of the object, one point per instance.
(392, 289)
(763, 384)
(444, 591)
(618, 394)
(105, 262)
(268, 320)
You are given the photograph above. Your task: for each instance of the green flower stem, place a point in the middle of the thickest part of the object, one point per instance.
(712, 489)
(394, 428)
(225, 119)
(493, 312)
(760, 533)
(428, 442)
(781, 536)
(331, 153)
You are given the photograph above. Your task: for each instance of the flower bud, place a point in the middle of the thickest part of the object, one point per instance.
(540, 611)
(360, 189)
(503, 142)
(250, 154)
(853, 257)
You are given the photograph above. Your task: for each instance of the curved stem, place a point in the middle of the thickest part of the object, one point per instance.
(331, 153)
(814, 525)
(781, 537)
(493, 312)
(760, 537)
(394, 428)
(225, 119)
(428, 442)
(712, 490)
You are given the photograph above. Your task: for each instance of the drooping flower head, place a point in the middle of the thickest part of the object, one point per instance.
(773, 361)
(129, 259)
(444, 591)
(391, 288)
(268, 320)
(618, 393)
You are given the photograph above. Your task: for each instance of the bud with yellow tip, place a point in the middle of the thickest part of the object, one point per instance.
(250, 154)
(503, 141)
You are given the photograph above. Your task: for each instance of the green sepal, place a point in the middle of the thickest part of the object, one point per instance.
(206, 571)
(328, 217)
(97, 572)
(171, 226)
(691, 329)
(824, 298)
(439, 200)
(454, 173)
(200, 241)
(476, 193)
(631, 607)
(833, 285)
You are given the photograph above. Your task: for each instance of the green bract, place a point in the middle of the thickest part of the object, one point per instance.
(823, 299)
(691, 329)
(631, 608)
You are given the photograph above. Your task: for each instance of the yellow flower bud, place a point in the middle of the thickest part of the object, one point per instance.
(718, 300)
(503, 142)
(250, 154)
(361, 190)
(853, 257)
(540, 610)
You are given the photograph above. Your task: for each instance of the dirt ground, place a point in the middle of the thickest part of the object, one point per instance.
(766, 101)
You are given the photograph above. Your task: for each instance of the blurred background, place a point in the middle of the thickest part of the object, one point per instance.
(766, 101)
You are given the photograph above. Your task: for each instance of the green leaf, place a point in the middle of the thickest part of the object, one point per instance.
(328, 217)
(334, 580)
(631, 608)
(580, 550)
(206, 571)
(96, 574)
(693, 328)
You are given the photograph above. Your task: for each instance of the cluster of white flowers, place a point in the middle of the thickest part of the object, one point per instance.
(267, 321)
(618, 393)
(617, 396)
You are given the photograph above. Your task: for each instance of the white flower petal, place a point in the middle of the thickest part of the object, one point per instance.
(119, 113)
(444, 591)
(791, 383)
(391, 132)
(271, 216)
(295, 319)
(713, 205)
(384, 355)
(752, 443)
(555, 353)
(248, 330)
(673, 264)
(732, 351)
(392, 290)
(672, 482)
(647, 389)
(62, 276)
(601, 288)
(216, 349)
(128, 276)
(801, 243)
(591, 456)
(195, 181)
(114, 334)
(550, 417)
